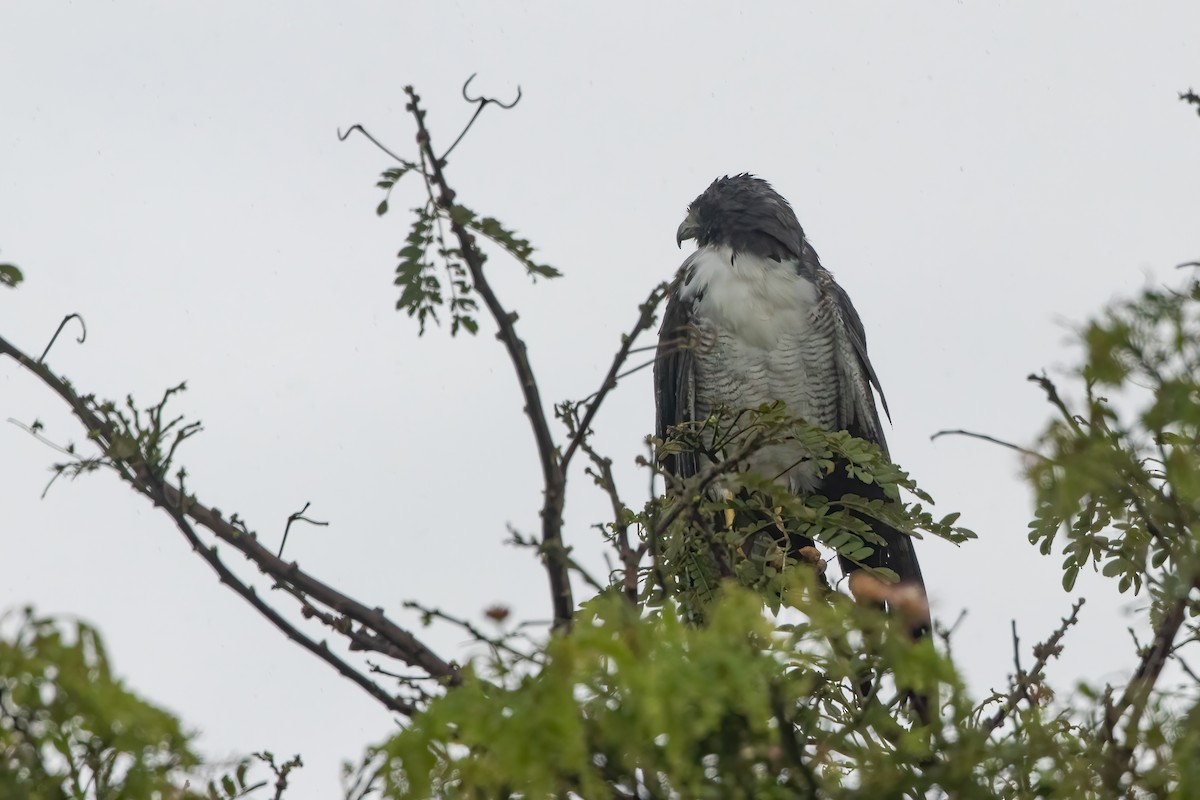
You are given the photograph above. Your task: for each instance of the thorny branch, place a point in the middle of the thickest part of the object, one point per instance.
(630, 557)
(156, 491)
(1133, 700)
(1024, 680)
(554, 553)
(185, 510)
(645, 319)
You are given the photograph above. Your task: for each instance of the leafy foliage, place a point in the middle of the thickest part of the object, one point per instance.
(433, 274)
(709, 664)
(1120, 478)
(70, 729)
(655, 703)
(701, 537)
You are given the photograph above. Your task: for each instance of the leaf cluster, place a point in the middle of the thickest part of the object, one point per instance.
(433, 274)
(70, 729)
(653, 706)
(1118, 473)
(694, 549)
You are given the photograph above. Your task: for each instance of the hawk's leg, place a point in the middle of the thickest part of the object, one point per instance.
(769, 539)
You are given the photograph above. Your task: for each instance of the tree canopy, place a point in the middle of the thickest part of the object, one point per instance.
(672, 676)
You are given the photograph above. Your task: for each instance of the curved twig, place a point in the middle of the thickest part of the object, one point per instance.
(483, 102)
(356, 127)
(298, 517)
(82, 334)
(986, 438)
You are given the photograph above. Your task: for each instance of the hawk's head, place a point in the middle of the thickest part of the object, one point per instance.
(745, 214)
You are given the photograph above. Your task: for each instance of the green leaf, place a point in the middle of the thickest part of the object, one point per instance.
(1114, 567)
(10, 276)
(861, 554)
(382, 208)
(1069, 576)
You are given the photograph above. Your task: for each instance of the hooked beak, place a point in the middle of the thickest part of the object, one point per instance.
(687, 230)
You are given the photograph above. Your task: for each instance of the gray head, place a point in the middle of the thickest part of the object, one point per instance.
(747, 215)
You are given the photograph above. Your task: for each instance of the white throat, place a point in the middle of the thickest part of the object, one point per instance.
(756, 299)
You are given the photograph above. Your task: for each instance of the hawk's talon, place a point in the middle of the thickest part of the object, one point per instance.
(812, 556)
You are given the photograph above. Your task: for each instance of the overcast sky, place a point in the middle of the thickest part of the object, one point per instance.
(979, 178)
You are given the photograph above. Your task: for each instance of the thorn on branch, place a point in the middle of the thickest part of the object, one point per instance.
(1026, 682)
(82, 334)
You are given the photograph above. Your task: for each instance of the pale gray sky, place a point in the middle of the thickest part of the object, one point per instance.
(977, 176)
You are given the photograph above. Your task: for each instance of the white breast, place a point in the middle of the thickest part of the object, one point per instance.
(760, 301)
(759, 339)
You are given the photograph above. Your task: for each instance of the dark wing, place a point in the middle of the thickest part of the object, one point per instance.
(857, 378)
(674, 396)
(858, 416)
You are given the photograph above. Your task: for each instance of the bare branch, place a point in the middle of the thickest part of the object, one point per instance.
(630, 558)
(356, 127)
(406, 646)
(1042, 653)
(321, 650)
(645, 320)
(986, 438)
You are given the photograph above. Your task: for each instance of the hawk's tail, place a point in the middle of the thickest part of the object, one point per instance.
(907, 598)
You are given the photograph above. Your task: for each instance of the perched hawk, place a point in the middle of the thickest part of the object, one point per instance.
(754, 318)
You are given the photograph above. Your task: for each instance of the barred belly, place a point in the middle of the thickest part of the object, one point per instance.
(798, 370)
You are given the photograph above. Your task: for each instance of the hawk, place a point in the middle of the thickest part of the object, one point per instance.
(752, 317)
